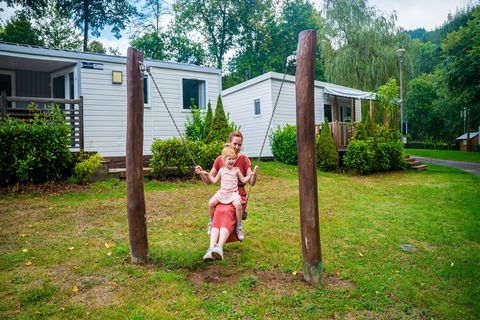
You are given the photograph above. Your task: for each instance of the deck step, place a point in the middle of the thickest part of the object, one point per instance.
(421, 167)
(414, 163)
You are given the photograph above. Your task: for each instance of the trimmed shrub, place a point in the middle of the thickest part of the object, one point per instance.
(208, 121)
(360, 156)
(327, 155)
(85, 169)
(35, 151)
(171, 156)
(284, 144)
(220, 128)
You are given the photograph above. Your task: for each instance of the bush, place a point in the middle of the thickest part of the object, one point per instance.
(85, 169)
(35, 151)
(284, 144)
(172, 157)
(220, 129)
(195, 127)
(327, 155)
(360, 156)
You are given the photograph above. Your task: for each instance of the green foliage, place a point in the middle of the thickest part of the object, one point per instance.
(172, 157)
(34, 151)
(388, 97)
(85, 169)
(359, 156)
(19, 30)
(208, 120)
(382, 151)
(96, 46)
(220, 129)
(327, 155)
(152, 45)
(195, 126)
(284, 144)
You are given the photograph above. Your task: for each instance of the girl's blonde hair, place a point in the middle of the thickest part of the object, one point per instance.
(228, 151)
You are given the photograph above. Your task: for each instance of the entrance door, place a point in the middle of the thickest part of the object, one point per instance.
(7, 80)
(63, 85)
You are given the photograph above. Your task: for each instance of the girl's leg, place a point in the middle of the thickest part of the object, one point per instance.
(211, 206)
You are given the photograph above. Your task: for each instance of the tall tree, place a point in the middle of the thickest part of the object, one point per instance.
(19, 30)
(152, 45)
(57, 30)
(96, 46)
(215, 20)
(461, 51)
(91, 16)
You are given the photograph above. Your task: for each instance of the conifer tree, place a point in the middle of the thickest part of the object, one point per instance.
(327, 155)
(220, 128)
(208, 121)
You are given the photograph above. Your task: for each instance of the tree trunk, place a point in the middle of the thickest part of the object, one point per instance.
(307, 170)
(85, 25)
(469, 127)
(137, 224)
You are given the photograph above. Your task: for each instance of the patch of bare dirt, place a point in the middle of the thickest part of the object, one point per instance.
(51, 187)
(213, 274)
(333, 281)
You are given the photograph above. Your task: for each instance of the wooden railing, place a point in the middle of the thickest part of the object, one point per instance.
(342, 132)
(72, 108)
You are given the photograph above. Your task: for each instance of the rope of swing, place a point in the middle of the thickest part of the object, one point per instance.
(290, 59)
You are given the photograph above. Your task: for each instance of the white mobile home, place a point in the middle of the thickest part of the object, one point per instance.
(250, 105)
(40, 73)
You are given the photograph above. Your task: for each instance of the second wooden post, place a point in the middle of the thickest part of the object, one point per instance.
(307, 169)
(137, 224)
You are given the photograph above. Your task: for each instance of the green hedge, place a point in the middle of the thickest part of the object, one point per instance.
(36, 150)
(430, 145)
(171, 158)
(284, 144)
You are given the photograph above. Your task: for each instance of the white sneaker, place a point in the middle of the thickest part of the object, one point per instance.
(217, 253)
(239, 232)
(208, 256)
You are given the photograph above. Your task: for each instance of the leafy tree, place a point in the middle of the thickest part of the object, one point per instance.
(420, 108)
(91, 16)
(461, 51)
(388, 96)
(327, 155)
(152, 45)
(96, 46)
(58, 31)
(220, 129)
(215, 20)
(208, 120)
(425, 57)
(151, 14)
(19, 30)
(182, 48)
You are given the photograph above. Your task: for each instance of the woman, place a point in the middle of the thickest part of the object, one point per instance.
(224, 219)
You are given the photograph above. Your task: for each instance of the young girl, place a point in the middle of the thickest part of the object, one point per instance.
(228, 193)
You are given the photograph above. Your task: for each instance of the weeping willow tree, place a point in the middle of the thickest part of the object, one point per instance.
(360, 53)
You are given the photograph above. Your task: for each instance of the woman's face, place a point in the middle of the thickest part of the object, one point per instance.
(236, 144)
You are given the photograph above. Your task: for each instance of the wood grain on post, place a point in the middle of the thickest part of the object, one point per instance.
(307, 169)
(137, 225)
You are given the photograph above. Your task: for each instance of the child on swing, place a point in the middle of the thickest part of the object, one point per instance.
(228, 192)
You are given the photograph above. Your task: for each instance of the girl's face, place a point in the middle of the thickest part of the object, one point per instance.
(236, 144)
(229, 162)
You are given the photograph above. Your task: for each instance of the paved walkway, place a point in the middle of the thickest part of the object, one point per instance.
(471, 167)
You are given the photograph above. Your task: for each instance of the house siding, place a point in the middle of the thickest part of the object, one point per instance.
(105, 107)
(240, 106)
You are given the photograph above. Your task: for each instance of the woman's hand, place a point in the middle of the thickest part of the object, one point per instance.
(253, 179)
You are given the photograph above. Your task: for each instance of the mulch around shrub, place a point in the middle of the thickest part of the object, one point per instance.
(51, 187)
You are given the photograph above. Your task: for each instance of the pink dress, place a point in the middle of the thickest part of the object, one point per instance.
(228, 186)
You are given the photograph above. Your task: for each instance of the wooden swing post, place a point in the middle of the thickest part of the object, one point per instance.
(307, 170)
(137, 224)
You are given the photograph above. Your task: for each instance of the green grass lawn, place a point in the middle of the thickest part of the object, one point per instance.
(445, 154)
(64, 256)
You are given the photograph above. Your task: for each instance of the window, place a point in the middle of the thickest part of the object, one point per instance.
(346, 114)
(146, 92)
(256, 107)
(193, 92)
(327, 109)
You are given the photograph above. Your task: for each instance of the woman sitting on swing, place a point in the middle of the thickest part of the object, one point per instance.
(224, 222)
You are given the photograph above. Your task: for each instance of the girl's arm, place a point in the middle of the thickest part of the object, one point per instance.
(243, 179)
(214, 179)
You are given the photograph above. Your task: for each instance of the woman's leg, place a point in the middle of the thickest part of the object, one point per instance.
(224, 234)
(214, 237)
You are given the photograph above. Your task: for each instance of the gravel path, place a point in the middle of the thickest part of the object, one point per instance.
(471, 167)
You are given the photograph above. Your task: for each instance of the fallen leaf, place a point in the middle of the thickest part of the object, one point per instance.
(74, 289)
(28, 263)
(106, 245)
(23, 235)
(360, 254)
(451, 264)
(25, 250)
(109, 253)
(294, 273)
(224, 291)
(337, 273)
(71, 248)
(179, 233)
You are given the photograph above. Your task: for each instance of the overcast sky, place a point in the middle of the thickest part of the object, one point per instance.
(411, 14)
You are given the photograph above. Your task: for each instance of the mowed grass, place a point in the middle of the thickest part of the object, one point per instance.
(445, 154)
(64, 256)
